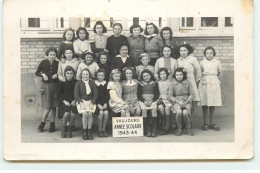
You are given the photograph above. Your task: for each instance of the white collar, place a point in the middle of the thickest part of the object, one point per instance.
(119, 56)
(148, 36)
(100, 83)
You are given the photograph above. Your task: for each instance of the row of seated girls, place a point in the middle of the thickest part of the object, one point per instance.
(115, 78)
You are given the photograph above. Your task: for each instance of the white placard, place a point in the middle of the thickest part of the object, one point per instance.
(127, 126)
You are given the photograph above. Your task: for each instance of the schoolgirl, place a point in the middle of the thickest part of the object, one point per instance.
(144, 64)
(168, 39)
(82, 43)
(102, 62)
(67, 41)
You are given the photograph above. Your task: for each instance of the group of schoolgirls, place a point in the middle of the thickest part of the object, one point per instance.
(142, 75)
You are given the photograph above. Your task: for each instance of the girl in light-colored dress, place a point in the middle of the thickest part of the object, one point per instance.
(144, 60)
(191, 65)
(166, 61)
(82, 43)
(209, 87)
(130, 91)
(164, 104)
(116, 103)
(181, 93)
(148, 94)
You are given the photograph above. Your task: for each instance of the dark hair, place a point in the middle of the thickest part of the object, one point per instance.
(163, 69)
(147, 71)
(180, 69)
(166, 29)
(187, 46)
(102, 53)
(99, 23)
(143, 55)
(70, 29)
(69, 68)
(133, 73)
(210, 48)
(83, 29)
(124, 44)
(167, 47)
(85, 69)
(68, 48)
(83, 55)
(135, 26)
(101, 71)
(118, 24)
(51, 49)
(156, 30)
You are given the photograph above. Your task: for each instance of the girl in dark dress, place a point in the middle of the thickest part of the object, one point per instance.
(103, 63)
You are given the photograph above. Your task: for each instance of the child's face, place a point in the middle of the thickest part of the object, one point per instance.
(85, 75)
(166, 34)
(117, 30)
(129, 74)
(69, 35)
(124, 51)
(99, 29)
(51, 56)
(184, 52)
(145, 61)
(69, 75)
(136, 31)
(179, 76)
(146, 77)
(88, 59)
(68, 54)
(82, 35)
(100, 76)
(163, 75)
(103, 59)
(167, 52)
(150, 29)
(209, 54)
(116, 77)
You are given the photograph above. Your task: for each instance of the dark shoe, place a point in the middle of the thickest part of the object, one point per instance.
(149, 134)
(189, 132)
(63, 132)
(90, 136)
(205, 127)
(69, 134)
(73, 128)
(100, 134)
(52, 127)
(105, 134)
(85, 134)
(162, 132)
(154, 132)
(214, 127)
(41, 126)
(178, 132)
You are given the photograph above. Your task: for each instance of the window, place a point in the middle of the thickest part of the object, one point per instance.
(228, 22)
(61, 22)
(209, 22)
(187, 22)
(34, 22)
(87, 22)
(136, 20)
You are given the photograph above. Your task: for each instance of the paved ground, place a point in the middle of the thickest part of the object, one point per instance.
(30, 134)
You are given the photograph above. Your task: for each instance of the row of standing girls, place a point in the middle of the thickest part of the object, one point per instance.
(131, 96)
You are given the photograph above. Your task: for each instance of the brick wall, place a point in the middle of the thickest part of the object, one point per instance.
(33, 50)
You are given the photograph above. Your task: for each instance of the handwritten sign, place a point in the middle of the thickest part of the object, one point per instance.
(127, 126)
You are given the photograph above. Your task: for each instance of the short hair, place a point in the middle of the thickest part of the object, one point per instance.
(167, 47)
(85, 69)
(124, 44)
(102, 53)
(69, 68)
(118, 24)
(99, 23)
(156, 30)
(184, 72)
(51, 49)
(166, 29)
(69, 29)
(163, 69)
(83, 29)
(147, 71)
(68, 48)
(100, 70)
(210, 48)
(187, 46)
(114, 71)
(135, 26)
(133, 72)
(83, 55)
(144, 55)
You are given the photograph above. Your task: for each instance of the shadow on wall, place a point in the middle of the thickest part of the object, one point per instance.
(31, 100)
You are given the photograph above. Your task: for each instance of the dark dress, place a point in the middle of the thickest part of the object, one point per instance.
(103, 96)
(107, 69)
(64, 45)
(114, 44)
(119, 64)
(173, 43)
